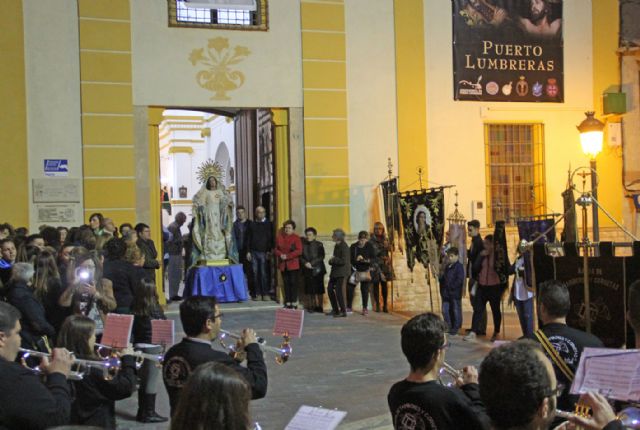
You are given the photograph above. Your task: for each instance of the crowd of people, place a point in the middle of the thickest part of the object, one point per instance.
(58, 285)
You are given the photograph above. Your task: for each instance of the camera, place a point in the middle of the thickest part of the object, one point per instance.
(83, 274)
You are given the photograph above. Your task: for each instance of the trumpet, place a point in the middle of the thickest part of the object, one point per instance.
(283, 352)
(109, 367)
(629, 417)
(107, 352)
(451, 372)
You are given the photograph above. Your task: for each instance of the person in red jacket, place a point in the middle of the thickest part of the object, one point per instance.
(288, 251)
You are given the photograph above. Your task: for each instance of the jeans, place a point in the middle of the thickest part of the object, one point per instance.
(377, 286)
(337, 292)
(261, 275)
(525, 315)
(290, 278)
(175, 274)
(491, 294)
(452, 314)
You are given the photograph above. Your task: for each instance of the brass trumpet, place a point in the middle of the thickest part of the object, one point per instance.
(629, 417)
(283, 352)
(451, 372)
(107, 352)
(109, 367)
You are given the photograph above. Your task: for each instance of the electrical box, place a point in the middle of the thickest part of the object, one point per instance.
(614, 103)
(614, 134)
(479, 211)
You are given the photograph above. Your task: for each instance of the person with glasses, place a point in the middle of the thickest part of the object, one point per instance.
(420, 401)
(201, 321)
(519, 389)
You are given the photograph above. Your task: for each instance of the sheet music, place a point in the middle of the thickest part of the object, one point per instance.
(117, 330)
(310, 418)
(615, 373)
(289, 321)
(163, 332)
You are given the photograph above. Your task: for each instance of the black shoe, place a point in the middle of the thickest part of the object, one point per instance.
(310, 310)
(147, 410)
(343, 315)
(319, 309)
(385, 310)
(176, 299)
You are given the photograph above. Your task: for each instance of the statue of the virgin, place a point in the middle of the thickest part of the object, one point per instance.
(212, 219)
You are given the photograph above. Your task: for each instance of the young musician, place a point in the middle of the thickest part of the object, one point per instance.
(95, 396)
(200, 317)
(145, 307)
(215, 397)
(26, 402)
(420, 398)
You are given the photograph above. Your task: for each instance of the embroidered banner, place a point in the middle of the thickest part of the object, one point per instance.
(423, 225)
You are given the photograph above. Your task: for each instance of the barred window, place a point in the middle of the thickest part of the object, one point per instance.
(228, 19)
(514, 155)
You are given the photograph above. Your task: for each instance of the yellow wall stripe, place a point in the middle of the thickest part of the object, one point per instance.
(410, 89)
(107, 107)
(325, 112)
(14, 199)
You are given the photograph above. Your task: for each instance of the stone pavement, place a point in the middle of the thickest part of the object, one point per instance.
(343, 363)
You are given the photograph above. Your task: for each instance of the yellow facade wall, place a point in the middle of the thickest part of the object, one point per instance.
(107, 109)
(411, 89)
(606, 74)
(325, 115)
(14, 199)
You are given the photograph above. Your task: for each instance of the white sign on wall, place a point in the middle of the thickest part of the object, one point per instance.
(56, 214)
(56, 190)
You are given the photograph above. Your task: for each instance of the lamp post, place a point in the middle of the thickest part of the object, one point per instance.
(591, 136)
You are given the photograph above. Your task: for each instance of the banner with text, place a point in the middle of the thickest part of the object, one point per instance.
(508, 50)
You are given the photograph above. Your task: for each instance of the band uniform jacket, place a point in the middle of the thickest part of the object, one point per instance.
(28, 404)
(183, 358)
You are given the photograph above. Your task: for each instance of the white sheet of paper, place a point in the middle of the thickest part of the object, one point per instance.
(310, 418)
(614, 373)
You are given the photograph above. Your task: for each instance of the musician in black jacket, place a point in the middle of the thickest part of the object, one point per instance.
(95, 395)
(200, 317)
(25, 402)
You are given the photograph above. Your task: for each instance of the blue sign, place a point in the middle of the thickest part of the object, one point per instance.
(636, 201)
(56, 167)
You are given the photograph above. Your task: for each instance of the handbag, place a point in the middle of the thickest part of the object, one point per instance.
(364, 276)
(353, 279)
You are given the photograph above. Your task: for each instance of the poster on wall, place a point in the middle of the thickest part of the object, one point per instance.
(508, 50)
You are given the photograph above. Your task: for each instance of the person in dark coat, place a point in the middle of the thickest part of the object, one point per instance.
(241, 239)
(25, 401)
(382, 268)
(363, 254)
(477, 246)
(312, 260)
(340, 264)
(260, 244)
(451, 286)
(123, 275)
(36, 330)
(148, 248)
(200, 317)
(96, 395)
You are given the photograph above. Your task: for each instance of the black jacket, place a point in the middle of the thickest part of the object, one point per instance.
(142, 325)
(183, 358)
(260, 236)
(94, 402)
(476, 248)
(340, 261)
(150, 253)
(313, 252)
(125, 277)
(33, 321)
(26, 403)
(368, 253)
(241, 235)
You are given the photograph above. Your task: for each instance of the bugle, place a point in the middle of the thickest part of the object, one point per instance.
(283, 352)
(80, 367)
(106, 351)
(451, 372)
(629, 417)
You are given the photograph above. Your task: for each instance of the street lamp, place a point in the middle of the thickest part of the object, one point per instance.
(591, 136)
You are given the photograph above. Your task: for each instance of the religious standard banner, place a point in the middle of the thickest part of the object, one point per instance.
(423, 226)
(508, 50)
(391, 207)
(530, 230)
(501, 262)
